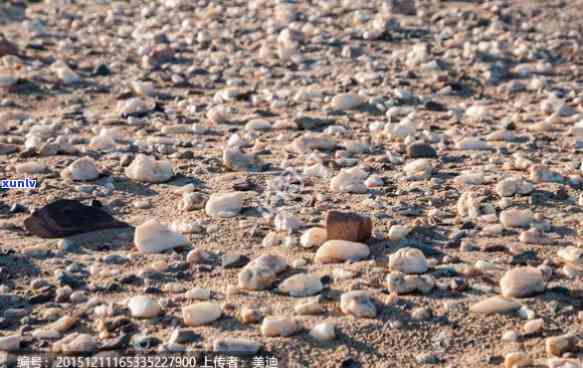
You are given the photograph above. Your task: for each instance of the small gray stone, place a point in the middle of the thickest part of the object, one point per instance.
(234, 260)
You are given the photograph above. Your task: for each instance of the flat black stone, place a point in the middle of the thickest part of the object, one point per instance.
(66, 217)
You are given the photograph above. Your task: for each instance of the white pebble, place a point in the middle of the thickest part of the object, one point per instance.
(153, 237)
(224, 204)
(202, 313)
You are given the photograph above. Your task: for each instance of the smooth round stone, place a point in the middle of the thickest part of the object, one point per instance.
(522, 282)
(513, 218)
(142, 306)
(147, 169)
(198, 294)
(516, 360)
(421, 150)
(398, 232)
(256, 277)
(224, 204)
(313, 237)
(201, 313)
(495, 304)
(273, 262)
(301, 285)
(408, 260)
(325, 331)
(335, 251)
(534, 326)
(559, 345)
(358, 303)
(279, 326)
(153, 237)
(308, 308)
(236, 345)
(258, 124)
(347, 101)
(349, 181)
(83, 169)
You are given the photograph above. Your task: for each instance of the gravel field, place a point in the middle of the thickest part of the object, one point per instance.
(364, 183)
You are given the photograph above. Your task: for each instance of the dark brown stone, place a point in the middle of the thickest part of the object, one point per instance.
(348, 226)
(7, 47)
(421, 150)
(66, 217)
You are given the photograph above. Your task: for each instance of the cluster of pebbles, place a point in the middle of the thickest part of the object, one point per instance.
(363, 183)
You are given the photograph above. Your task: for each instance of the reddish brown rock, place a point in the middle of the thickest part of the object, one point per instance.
(348, 226)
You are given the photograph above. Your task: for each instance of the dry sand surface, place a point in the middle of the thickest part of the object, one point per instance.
(353, 183)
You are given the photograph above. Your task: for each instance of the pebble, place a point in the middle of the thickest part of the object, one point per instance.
(273, 326)
(308, 308)
(236, 160)
(325, 331)
(495, 304)
(559, 345)
(358, 304)
(408, 260)
(256, 277)
(234, 260)
(183, 336)
(516, 360)
(147, 169)
(143, 306)
(251, 314)
(400, 283)
(534, 326)
(337, 251)
(515, 218)
(349, 181)
(301, 285)
(421, 150)
(348, 226)
(32, 168)
(198, 293)
(522, 282)
(398, 232)
(236, 345)
(224, 204)
(347, 101)
(193, 201)
(154, 237)
(201, 313)
(313, 237)
(83, 169)
(511, 186)
(422, 314)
